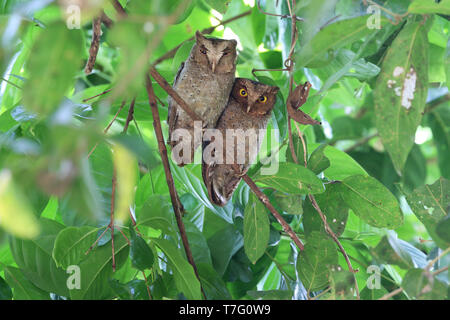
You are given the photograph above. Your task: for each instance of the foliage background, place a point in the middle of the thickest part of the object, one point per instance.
(390, 206)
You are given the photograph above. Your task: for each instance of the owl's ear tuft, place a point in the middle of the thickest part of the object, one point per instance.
(275, 90)
(233, 42)
(199, 36)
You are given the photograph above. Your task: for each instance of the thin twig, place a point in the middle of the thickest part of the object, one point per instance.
(95, 44)
(282, 16)
(169, 178)
(168, 88)
(130, 116)
(391, 294)
(101, 93)
(432, 262)
(120, 10)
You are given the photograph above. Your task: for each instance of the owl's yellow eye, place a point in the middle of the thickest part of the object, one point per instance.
(243, 92)
(263, 99)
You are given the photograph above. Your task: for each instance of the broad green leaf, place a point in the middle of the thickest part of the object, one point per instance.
(418, 285)
(314, 261)
(53, 65)
(34, 258)
(97, 269)
(183, 272)
(401, 91)
(5, 290)
(443, 229)
(139, 147)
(125, 165)
(156, 213)
(318, 161)
(391, 250)
(333, 207)
(198, 243)
(372, 294)
(16, 213)
(430, 204)
(342, 283)
(291, 204)
(319, 50)
(23, 289)
(293, 179)
(430, 6)
(71, 245)
(212, 283)
(141, 254)
(223, 245)
(256, 229)
(439, 122)
(372, 202)
(219, 5)
(341, 165)
(132, 290)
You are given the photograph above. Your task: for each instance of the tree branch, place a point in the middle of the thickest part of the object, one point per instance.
(169, 178)
(95, 44)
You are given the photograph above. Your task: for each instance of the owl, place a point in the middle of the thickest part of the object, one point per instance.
(204, 81)
(237, 138)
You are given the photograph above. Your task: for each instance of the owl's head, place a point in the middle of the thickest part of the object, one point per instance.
(218, 54)
(256, 98)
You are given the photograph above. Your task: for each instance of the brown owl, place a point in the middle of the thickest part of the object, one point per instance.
(204, 81)
(237, 138)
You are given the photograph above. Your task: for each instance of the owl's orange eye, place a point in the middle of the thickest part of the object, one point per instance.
(243, 93)
(263, 99)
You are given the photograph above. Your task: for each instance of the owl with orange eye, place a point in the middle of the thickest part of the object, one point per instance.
(242, 127)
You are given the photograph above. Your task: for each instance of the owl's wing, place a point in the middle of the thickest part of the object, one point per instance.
(172, 112)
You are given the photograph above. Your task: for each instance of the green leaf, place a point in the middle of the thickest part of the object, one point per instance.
(5, 290)
(223, 245)
(372, 202)
(156, 213)
(314, 261)
(141, 254)
(132, 290)
(318, 162)
(439, 122)
(53, 65)
(34, 258)
(293, 179)
(443, 229)
(430, 6)
(342, 283)
(401, 91)
(72, 243)
(212, 283)
(418, 285)
(23, 289)
(430, 204)
(219, 5)
(372, 294)
(391, 250)
(256, 229)
(291, 204)
(96, 270)
(183, 272)
(341, 165)
(16, 213)
(319, 50)
(333, 207)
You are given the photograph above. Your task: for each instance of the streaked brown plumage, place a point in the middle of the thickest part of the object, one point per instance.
(249, 107)
(204, 81)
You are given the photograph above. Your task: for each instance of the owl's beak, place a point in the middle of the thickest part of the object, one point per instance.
(213, 65)
(248, 108)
